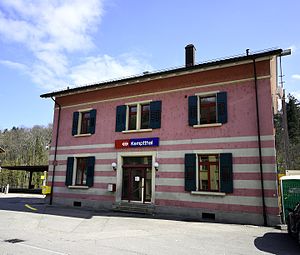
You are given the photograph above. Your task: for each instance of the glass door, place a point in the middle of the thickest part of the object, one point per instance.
(137, 185)
(137, 179)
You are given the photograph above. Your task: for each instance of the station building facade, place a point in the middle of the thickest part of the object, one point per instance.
(196, 141)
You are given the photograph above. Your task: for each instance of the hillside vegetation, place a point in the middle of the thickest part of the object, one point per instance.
(24, 146)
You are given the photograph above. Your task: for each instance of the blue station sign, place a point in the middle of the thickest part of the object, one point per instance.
(137, 142)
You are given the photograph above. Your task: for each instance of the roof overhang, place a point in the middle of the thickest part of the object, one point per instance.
(163, 74)
(41, 168)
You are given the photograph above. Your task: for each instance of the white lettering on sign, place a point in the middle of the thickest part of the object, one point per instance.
(142, 143)
(125, 144)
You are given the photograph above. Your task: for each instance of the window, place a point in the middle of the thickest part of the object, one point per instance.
(80, 171)
(145, 116)
(208, 172)
(212, 173)
(138, 116)
(132, 118)
(84, 122)
(207, 109)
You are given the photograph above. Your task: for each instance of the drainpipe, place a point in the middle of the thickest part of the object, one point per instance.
(259, 146)
(55, 150)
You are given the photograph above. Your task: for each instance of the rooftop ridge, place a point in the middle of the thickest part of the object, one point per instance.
(170, 69)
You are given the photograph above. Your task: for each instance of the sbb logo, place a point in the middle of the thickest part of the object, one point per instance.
(125, 144)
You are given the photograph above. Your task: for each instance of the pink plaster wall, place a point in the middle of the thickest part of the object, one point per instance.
(174, 123)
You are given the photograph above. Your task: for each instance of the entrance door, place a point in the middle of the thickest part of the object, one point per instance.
(137, 178)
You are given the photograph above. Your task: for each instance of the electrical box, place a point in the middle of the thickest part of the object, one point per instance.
(111, 187)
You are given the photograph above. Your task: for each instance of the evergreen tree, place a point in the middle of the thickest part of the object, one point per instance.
(293, 119)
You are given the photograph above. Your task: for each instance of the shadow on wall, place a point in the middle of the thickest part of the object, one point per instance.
(277, 243)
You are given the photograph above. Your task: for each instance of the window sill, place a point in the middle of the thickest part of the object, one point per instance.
(78, 187)
(137, 131)
(83, 135)
(207, 193)
(208, 125)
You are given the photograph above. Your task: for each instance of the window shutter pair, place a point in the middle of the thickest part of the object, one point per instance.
(89, 175)
(226, 175)
(221, 109)
(92, 125)
(155, 116)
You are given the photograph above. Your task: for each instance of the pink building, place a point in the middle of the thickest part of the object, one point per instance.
(186, 141)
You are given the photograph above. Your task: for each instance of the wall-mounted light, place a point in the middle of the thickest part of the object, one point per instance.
(114, 166)
(156, 165)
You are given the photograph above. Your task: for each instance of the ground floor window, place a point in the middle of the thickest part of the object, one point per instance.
(208, 172)
(80, 171)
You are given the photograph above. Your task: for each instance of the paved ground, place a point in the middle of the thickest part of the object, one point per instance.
(56, 230)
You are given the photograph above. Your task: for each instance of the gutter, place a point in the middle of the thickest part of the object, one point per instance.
(259, 146)
(55, 150)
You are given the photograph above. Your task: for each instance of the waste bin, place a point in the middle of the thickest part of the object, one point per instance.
(290, 193)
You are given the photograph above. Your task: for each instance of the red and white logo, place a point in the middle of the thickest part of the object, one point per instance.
(120, 144)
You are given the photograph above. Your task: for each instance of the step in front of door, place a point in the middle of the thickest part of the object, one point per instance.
(134, 208)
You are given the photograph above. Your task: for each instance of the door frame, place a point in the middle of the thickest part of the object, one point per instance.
(120, 156)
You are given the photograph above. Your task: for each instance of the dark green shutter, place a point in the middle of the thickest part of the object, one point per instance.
(69, 172)
(193, 113)
(75, 123)
(222, 107)
(121, 118)
(190, 172)
(226, 175)
(92, 126)
(90, 171)
(155, 114)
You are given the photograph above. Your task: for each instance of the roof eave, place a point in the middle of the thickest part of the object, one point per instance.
(149, 75)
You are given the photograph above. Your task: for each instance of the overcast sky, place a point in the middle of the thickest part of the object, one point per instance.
(49, 45)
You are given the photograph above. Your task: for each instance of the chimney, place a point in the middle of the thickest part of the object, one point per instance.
(190, 55)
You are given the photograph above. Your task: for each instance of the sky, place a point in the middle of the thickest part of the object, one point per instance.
(51, 45)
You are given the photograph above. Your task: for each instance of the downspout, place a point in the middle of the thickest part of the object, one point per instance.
(55, 149)
(259, 146)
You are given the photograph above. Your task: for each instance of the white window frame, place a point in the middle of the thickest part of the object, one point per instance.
(206, 94)
(201, 192)
(81, 111)
(138, 117)
(74, 186)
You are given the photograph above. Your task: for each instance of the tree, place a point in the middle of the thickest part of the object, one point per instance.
(24, 146)
(293, 118)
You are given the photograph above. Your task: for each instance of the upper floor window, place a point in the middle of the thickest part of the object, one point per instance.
(84, 122)
(140, 116)
(208, 108)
